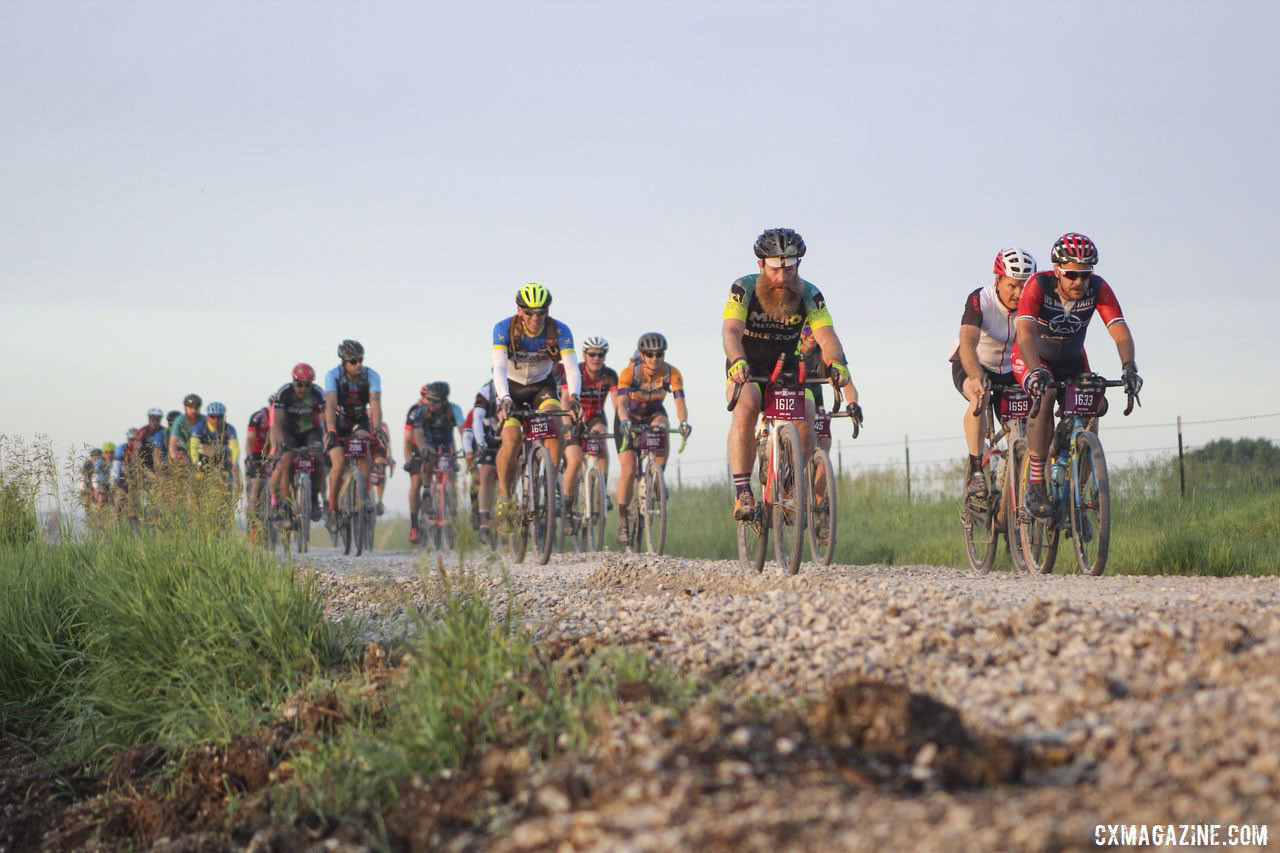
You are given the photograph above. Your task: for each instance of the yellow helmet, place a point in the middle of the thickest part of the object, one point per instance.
(533, 295)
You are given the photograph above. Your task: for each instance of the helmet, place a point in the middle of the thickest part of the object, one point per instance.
(95, 452)
(216, 410)
(780, 243)
(652, 342)
(155, 413)
(533, 295)
(303, 372)
(350, 350)
(1015, 263)
(595, 343)
(1073, 248)
(171, 417)
(192, 400)
(108, 447)
(438, 392)
(131, 433)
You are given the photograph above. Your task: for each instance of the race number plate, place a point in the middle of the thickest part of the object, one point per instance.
(822, 424)
(1014, 404)
(444, 463)
(538, 427)
(593, 444)
(653, 442)
(355, 446)
(784, 404)
(1082, 400)
(305, 464)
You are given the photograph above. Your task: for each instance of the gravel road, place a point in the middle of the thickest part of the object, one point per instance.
(1145, 700)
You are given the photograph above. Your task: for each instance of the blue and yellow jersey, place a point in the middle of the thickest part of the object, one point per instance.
(530, 359)
(204, 434)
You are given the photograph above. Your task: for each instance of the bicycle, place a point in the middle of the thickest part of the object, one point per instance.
(1075, 477)
(592, 496)
(783, 504)
(536, 492)
(821, 480)
(353, 507)
(648, 507)
(437, 504)
(982, 520)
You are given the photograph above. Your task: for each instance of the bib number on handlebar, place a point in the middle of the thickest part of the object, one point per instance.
(1082, 400)
(784, 404)
(538, 427)
(1014, 404)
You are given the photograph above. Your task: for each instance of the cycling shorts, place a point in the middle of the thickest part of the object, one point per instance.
(291, 441)
(647, 419)
(997, 380)
(347, 427)
(535, 395)
(577, 430)
(1060, 370)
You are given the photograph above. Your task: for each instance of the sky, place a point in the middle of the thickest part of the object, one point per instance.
(196, 196)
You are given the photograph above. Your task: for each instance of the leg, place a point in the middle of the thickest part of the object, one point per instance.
(337, 462)
(742, 446)
(572, 466)
(512, 439)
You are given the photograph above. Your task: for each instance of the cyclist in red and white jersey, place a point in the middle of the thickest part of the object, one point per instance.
(599, 396)
(1053, 316)
(984, 348)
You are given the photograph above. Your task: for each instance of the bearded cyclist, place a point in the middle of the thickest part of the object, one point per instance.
(526, 347)
(762, 321)
(433, 428)
(353, 406)
(984, 349)
(641, 391)
(297, 413)
(180, 429)
(1053, 315)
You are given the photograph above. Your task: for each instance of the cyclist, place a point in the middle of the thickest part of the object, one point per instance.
(122, 460)
(257, 444)
(641, 391)
(352, 406)
(214, 442)
(297, 410)
(88, 479)
(383, 462)
(984, 348)
(1053, 315)
(412, 464)
(149, 440)
(484, 415)
(762, 321)
(433, 428)
(526, 346)
(183, 424)
(102, 465)
(599, 394)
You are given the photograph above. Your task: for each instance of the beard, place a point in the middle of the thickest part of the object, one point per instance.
(780, 302)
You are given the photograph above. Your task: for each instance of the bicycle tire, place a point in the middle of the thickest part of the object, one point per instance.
(302, 500)
(822, 515)
(1090, 505)
(654, 509)
(345, 509)
(447, 530)
(522, 504)
(789, 506)
(358, 511)
(596, 506)
(753, 540)
(1013, 509)
(544, 504)
(978, 525)
(1039, 536)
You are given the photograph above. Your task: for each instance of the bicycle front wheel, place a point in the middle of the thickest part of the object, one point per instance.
(346, 504)
(822, 508)
(789, 500)
(1039, 535)
(1090, 505)
(542, 476)
(595, 505)
(302, 500)
(358, 516)
(654, 509)
(978, 524)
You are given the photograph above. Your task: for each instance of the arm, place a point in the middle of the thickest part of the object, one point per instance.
(573, 376)
(500, 364)
(731, 336)
(968, 354)
(331, 411)
(1124, 341)
(276, 431)
(375, 410)
(477, 425)
(829, 341)
(1028, 340)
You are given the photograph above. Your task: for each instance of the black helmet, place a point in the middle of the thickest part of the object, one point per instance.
(652, 342)
(350, 350)
(438, 392)
(780, 243)
(192, 400)
(172, 416)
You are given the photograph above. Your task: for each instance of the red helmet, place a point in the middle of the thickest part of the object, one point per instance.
(425, 389)
(303, 372)
(1074, 248)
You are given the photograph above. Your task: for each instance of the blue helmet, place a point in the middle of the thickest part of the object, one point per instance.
(216, 409)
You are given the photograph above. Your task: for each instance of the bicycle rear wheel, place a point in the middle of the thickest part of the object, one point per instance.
(358, 515)
(543, 481)
(302, 501)
(822, 508)
(1090, 505)
(789, 500)
(346, 504)
(1039, 535)
(654, 509)
(595, 505)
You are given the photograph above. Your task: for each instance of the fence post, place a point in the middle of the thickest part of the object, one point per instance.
(1182, 475)
(906, 446)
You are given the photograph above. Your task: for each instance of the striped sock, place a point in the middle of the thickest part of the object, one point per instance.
(1037, 469)
(742, 483)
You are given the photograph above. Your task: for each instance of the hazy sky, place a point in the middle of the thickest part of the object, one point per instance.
(195, 196)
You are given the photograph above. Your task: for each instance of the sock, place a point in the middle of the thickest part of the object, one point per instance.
(742, 483)
(975, 464)
(1037, 469)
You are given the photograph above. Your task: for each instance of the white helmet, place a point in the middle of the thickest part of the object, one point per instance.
(595, 343)
(1015, 263)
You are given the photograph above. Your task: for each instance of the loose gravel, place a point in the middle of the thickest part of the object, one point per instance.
(1153, 698)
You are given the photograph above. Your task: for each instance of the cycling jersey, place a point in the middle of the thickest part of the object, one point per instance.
(438, 426)
(225, 439)
(595, 392)
(529, 360)
(353, 394)
(644, 390)
(258, 430)
(766, 338)
(484, 413)
(147, 439)
(468, 437)
(182, 429)
(299, 413)
(997, 334)
(1062, 324)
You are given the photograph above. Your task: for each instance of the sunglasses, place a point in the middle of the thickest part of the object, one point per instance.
(215, 417)
(1076, 275)
(527, 312)
(354, 361)
(594, 354)
(657, 354)
(779, 263)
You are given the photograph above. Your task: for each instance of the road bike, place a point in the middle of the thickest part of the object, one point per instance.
(648, 508)
(822, 483)
(583, 518)
(537, 493)
(1075, 478)
(354, 509)
(437, 504)
(983, 519)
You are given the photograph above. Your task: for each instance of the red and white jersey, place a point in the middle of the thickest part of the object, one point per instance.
(996, 332)
(1063, 323)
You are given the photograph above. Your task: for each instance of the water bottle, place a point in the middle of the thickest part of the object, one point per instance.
(1058, 471)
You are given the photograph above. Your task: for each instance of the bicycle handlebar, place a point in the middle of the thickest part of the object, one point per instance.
(1059, 384)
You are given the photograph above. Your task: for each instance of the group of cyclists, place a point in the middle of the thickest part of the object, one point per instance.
(1026, 328)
